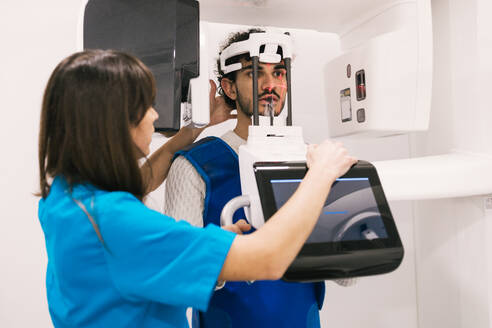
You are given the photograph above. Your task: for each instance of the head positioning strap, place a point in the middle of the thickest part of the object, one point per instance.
(270, 40)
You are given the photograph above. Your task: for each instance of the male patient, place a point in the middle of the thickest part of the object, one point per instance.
(205, 176)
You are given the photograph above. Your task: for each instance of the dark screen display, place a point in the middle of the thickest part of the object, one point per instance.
(350, 212)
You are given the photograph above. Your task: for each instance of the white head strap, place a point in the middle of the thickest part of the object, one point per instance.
(272, 41)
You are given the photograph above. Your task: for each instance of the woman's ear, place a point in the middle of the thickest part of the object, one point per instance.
(229, 88)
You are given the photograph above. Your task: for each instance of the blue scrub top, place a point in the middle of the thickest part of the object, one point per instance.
(150, 271)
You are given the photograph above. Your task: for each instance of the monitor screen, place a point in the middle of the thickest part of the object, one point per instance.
(355, 215)
(350, 212)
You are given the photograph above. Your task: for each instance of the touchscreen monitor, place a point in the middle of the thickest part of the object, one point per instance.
(355, 234)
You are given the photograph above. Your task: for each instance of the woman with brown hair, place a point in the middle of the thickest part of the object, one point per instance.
(113, 262)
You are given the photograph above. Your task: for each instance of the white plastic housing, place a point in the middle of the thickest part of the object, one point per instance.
(199, 86)
(398, 76)
(266, 143)
(457, 174)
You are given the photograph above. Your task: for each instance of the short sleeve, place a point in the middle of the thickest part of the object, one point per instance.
(150, 256)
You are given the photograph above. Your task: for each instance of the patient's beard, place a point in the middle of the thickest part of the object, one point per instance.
(245, 105)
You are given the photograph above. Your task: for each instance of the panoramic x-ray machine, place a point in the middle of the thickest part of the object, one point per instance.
(355, 234)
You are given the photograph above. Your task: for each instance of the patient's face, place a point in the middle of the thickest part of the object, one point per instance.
(272, 87)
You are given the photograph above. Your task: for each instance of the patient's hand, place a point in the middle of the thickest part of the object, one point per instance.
(347, 282)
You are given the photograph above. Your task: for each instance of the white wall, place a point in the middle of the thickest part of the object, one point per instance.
(34, 36)
(454, 253)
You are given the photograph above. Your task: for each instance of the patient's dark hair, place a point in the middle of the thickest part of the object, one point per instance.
(91, 101)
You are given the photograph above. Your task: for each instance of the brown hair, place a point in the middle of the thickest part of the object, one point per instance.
(91, 101)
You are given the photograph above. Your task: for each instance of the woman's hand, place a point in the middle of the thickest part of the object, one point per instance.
(330, 159)
(220, 111)
(239, 227)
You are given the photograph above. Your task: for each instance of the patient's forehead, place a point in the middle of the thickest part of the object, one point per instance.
(246, 63)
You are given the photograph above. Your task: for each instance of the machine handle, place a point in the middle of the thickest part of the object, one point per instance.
(231, 207)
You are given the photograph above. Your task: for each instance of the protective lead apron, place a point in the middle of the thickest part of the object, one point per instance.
(239, 304)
